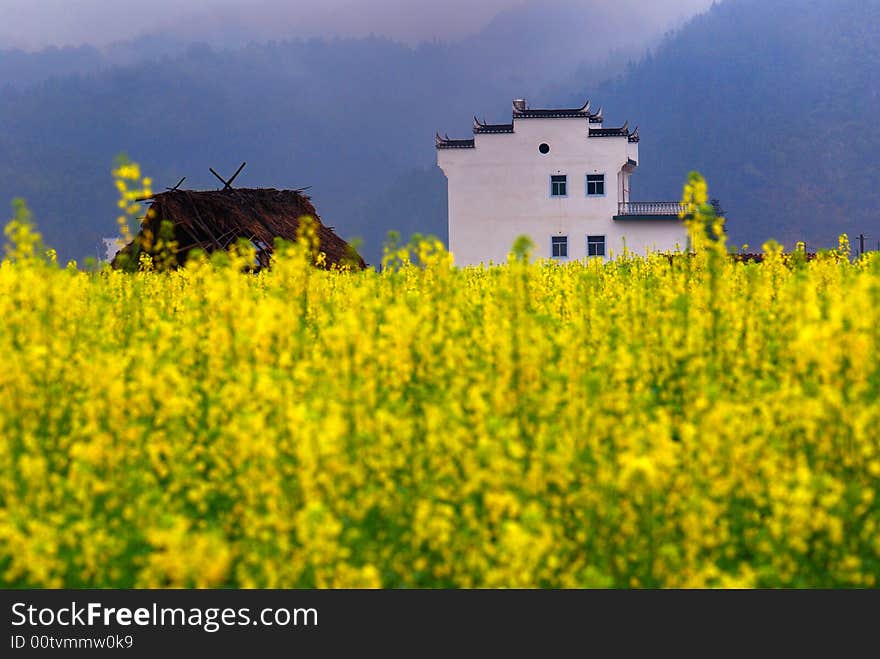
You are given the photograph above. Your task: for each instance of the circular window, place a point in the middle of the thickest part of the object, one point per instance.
(544, 148)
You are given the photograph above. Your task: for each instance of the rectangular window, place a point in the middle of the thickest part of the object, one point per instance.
(559, 186)
(595, 245)
(595, 185)
(559, 247)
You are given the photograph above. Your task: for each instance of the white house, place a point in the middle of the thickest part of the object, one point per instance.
(558, 176)
(112, 246)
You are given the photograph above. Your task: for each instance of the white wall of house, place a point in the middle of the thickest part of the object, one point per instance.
(501, 189)
(112, 246)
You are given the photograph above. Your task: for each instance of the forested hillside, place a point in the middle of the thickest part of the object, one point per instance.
(775, 102)
(771, 100)
(353, 119)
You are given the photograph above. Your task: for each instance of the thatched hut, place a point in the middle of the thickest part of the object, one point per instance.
(216, 220)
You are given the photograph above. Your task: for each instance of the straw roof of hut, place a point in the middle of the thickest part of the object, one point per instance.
(216, 220)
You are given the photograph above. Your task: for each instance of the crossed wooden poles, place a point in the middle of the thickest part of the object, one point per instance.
(227, 185)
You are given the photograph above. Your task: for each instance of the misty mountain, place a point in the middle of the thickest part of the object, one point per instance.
(770, 100)
(775, 103)
(231, 23)
(21, 69)
(353, 119)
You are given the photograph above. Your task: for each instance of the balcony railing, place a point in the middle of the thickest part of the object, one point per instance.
(650, 208)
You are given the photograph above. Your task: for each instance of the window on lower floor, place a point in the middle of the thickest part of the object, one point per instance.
(595, 245)
(559, 247)
(595, 185)
(559, 185)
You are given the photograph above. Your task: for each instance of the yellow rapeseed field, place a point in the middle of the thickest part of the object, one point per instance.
(643, 422)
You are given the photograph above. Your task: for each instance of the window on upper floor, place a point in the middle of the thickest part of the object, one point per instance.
(559, 247)
(595, 185)
(559, 185)
(595, 245)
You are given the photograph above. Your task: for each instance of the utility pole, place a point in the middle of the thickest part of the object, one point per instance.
(861, 244)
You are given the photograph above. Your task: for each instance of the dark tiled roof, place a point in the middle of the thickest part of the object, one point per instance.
(481, 127)
(446, 143)
(522, 111)
(623, 131)
(551, 114)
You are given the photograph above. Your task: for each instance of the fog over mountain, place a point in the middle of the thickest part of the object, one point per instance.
(41, 23)
(353, 118)
(775, 102)
(771, 99)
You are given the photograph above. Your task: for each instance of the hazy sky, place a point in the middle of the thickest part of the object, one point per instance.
(37, 23)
